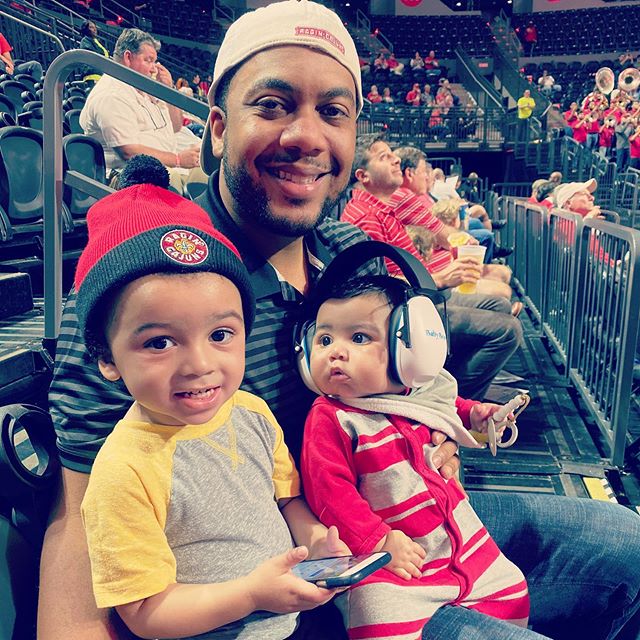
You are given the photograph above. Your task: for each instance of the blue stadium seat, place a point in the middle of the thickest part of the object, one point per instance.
(6, 106)
(29, 471)
(26, 80)
(32, 118)
(72, 118)
(13, 91)
(21, 191)
(86, 156)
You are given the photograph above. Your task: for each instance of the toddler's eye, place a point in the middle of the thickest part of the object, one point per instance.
(325, 341)
(160, 343)
(222, 335)
(361, 338)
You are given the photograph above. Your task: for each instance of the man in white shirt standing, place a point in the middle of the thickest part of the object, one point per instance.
(128, 122)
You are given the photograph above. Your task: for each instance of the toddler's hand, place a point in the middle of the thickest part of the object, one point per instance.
(407, 556)
(273, 587)
(329, 546)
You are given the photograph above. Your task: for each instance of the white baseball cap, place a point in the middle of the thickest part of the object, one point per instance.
(292, 22)
(565, 192)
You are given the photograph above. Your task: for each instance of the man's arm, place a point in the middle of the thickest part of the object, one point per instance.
(8, 61)
(66, 607)
(185, 159)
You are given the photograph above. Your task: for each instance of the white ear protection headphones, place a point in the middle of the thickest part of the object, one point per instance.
(417, 337)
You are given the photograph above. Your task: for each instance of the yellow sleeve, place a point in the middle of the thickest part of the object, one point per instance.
(124, 521)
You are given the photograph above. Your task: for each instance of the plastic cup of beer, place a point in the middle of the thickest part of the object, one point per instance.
(476, 252)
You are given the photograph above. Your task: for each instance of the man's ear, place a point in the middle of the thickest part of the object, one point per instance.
(218, 124)
(109, 370)
(362, 176)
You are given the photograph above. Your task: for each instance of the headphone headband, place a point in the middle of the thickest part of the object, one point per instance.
(355, 256)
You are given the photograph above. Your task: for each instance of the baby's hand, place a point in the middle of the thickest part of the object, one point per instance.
(330, 546)
(407, 556)
(273, 587)
(480, 414)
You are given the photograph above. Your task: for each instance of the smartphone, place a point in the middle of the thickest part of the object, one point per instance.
(340, 572)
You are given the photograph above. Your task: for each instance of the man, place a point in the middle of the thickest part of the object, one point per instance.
(286, 138)
(128, 122)
(555, 176)
(547, 83)
(526, 105)
(33, 67)
(483, 335)
(536, 196)
(578, 197)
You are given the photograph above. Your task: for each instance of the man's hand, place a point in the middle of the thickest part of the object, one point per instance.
(445, 460)
(595, 213)
(163, 75)
(9, 68)
(330, 546)
(190, 157)
(461, 270)
(407, 556)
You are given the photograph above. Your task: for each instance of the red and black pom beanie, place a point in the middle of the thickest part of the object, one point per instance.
(145, 229)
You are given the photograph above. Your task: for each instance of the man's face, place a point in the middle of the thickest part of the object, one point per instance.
(287, 139)
(581, 202)
(527, 93)
(93, 30)
(144, 61)
(382, 174)
(419, 179)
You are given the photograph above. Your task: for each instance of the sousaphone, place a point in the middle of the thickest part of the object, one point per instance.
(605, 80)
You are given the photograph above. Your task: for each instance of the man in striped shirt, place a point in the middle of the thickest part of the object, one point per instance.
(483, 333)
(286, 138)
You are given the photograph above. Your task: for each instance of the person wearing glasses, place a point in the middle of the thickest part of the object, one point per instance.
(128, 122)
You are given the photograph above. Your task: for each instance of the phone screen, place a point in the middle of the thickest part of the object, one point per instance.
(315, 570)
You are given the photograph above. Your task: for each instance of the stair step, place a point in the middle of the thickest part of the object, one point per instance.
(15, 294)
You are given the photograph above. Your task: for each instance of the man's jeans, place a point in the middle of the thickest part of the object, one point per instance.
(483, 335)
(581, 559)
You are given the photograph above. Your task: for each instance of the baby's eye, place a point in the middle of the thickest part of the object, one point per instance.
(325, 341)
(222, 335)
(361, 338)
(160, 343)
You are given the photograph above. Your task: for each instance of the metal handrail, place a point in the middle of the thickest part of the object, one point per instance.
(472, 75)
(56, 75)
(54, 38)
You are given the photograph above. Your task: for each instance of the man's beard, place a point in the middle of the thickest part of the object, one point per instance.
(252, 204)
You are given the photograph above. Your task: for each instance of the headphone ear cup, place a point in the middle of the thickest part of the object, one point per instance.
(421, 363)
(303, 354)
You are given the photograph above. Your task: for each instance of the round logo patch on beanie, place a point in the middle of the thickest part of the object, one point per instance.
(184, 247)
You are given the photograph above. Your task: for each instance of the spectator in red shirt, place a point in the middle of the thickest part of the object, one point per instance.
(373, 95)
(571, 115)
(33, 67)
(607, 136)
(431, 62)
(395, 66)
(634, 143)
(413, 96)
(530, 38)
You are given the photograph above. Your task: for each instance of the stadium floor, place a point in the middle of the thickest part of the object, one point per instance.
(558, 449)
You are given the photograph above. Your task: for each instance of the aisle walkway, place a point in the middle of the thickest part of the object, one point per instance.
(558, 450)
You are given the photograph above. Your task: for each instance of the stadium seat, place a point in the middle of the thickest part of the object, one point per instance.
(32, 118)
(12, 90)
(72, 118)
(32, 104)
(6, 106)
(26, 80)
(26, 490)
(6, 119)
(86, 156)
(21, 191)
(194, 189)
(74, 102)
